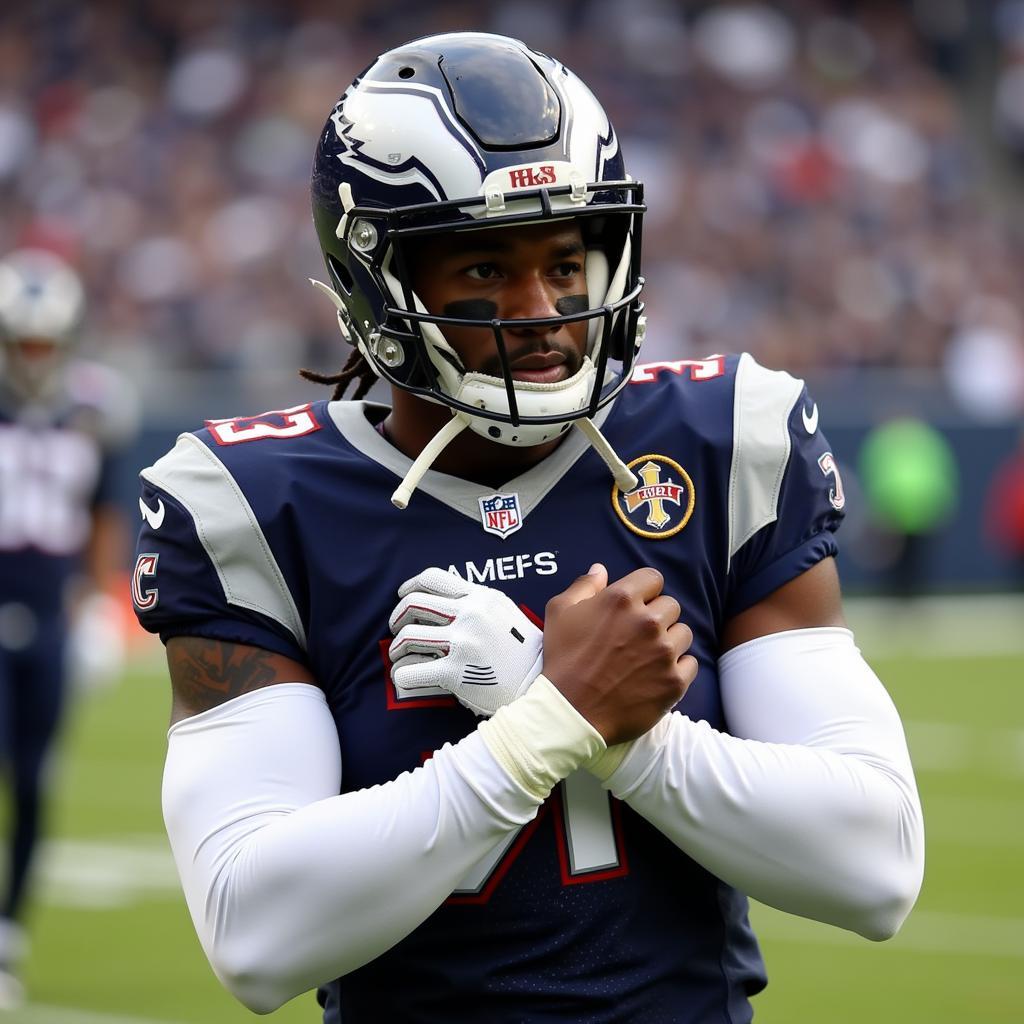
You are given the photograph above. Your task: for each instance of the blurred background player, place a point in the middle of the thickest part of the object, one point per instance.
(1004, 519)
(60, 421)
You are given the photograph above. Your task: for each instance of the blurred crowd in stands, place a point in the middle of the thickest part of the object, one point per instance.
(830, 185)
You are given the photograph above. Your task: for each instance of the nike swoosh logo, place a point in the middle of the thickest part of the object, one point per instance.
(155, 517)
(810, 422)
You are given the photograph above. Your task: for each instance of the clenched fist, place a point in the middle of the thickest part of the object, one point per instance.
(618, 652)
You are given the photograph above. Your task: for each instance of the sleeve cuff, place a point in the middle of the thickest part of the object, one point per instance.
(622, 766)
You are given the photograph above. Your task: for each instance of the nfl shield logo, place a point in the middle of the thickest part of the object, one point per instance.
(500, 514)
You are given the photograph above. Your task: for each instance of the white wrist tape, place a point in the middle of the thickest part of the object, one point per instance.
(811, 804)
(608, 761)
(540, 738)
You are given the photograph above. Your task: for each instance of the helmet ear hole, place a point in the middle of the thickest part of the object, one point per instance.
(340, 273)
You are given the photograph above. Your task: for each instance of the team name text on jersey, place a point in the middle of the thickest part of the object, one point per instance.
(508, 567)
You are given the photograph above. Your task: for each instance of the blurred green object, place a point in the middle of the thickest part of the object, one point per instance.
(909, 475)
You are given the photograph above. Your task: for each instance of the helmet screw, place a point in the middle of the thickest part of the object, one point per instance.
(390, 353)
(364, 236)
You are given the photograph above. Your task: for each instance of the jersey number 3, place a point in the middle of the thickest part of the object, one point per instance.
(836, 497)
(279, 423)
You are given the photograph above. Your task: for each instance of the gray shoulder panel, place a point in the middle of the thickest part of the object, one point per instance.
(228, 530)
(761, 446)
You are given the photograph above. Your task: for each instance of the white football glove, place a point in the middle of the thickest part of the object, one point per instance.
(465, 638)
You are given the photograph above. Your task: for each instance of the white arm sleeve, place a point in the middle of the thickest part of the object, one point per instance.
(291, 885)
(811, 805)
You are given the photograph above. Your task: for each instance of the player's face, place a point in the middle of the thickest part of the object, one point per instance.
(509, 273)
(31, 361)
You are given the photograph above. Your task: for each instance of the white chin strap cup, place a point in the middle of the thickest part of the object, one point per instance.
(624, 476)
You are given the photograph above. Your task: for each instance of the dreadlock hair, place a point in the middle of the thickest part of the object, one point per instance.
(355, 369)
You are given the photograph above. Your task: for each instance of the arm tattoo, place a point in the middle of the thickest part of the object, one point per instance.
(205, 673)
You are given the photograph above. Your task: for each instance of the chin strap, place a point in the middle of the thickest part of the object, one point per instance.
(624, 476)
(433, 448)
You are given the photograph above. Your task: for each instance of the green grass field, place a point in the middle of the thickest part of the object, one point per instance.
(112, 942)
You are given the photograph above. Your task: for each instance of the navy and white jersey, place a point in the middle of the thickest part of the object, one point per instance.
(278, 531)
(55, 468)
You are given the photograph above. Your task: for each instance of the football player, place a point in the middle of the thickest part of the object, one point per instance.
(61, 422)
(497, 702)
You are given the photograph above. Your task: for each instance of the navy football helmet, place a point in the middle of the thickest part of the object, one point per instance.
(459, 132)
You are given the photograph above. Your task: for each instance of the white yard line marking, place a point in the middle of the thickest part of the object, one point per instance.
(113, 872)
(977, 624)
(926, 931)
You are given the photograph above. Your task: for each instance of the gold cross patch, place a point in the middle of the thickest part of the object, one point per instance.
(663, 503)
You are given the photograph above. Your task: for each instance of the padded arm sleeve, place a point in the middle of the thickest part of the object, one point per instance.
(811, 806)
(291, 885)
